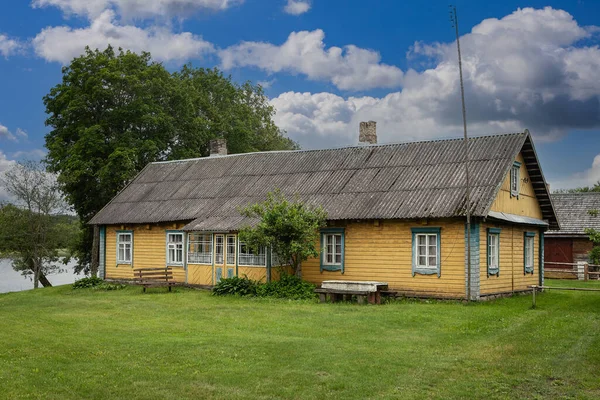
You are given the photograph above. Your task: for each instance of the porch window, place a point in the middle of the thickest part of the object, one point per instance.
(174, 248)
(332, 249)
(528, 251)
(250, 257)
(219, 249)
(231, 249)
(200, 248)
(515, 179)
(426, 251)
(124, 247)
(493, 251)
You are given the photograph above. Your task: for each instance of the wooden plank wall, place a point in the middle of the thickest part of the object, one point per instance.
(526, 204)
(149, 250)
(200, 274)
(511, 277)
(382, 251)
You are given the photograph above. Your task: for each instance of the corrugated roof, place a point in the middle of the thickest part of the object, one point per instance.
(394, 181)
(573, 213)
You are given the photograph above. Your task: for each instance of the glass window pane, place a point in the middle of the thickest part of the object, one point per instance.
(432, 261)
(432, 250)
(422, 239)
(422, 260)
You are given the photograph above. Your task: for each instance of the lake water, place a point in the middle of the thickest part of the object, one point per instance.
(13, 281)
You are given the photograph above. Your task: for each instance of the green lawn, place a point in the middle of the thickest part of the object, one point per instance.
(60, 343)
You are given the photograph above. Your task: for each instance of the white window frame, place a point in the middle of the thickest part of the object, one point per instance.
(249, 259)
(529, 252)
(429, 234)
(336, 240)
(428, 237)
(515, 179)
(177, 247)
(222, 246)
(121, 243)
(199, 240)
(493, 251)
(228, 260)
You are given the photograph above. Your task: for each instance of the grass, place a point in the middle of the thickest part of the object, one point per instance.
(60, 343)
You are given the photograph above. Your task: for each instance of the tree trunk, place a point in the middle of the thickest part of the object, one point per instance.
(33, 267)
(36, 276)
(95, 252)
(44, 281)
(299, 269)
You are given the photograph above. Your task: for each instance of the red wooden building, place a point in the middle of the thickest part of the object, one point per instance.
(570, 244)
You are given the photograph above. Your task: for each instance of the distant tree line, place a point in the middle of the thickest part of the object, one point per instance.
(583, 189)
(115, 111)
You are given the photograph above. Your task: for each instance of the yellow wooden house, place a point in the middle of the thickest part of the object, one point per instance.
(396, 213)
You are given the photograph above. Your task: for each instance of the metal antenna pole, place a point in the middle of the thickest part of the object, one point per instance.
(454, 20)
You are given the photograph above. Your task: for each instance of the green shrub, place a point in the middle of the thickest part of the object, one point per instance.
(288, 287)
(595, 255)
(110, 286)
(90, 282)
(235, 286)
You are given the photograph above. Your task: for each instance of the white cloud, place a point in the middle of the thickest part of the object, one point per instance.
(63, 43)
(9, 46)
(526, 70)
(137, 8)
(21, 133)
(588, 177)
(266, 84)
(348, 68)
(5, 165)
(6, 134)
(297, 7)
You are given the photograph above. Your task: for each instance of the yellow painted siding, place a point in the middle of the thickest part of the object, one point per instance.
(526, 204)
(384, 253)
(254, 273)
(511, 277)
(200, 274)
(149, 250)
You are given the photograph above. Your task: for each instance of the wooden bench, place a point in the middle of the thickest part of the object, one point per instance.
(344, 290)
(154, 277)
(346, 295)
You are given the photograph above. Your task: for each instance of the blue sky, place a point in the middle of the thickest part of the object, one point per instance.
(329, 64)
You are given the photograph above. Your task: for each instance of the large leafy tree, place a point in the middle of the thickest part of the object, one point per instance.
(32, 230)
(116, 111)
(289, 228)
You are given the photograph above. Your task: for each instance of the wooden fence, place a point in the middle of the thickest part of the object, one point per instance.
(536, 288)
(582, 271)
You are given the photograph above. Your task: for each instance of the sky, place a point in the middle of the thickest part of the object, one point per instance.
(326, 65)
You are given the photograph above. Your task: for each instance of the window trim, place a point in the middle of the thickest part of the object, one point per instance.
(493, 270)
(121, 262)
(188, 247)
(515, 167)
(239, 253)
(332, 267)
(183, 248)
(418, 269)
(235, 247)
(528, 269)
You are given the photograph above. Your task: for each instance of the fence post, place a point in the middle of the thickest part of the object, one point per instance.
(580, 270)
(586, 270)
(533, 292)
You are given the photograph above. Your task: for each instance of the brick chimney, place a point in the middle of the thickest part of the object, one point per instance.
(368, 132)
(218, 147)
